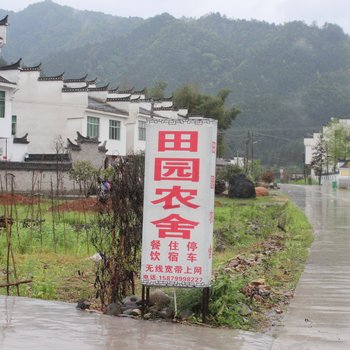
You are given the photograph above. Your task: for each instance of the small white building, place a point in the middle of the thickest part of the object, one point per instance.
(310, 144)
(11, 147)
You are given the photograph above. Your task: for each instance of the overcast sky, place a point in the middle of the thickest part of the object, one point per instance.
(277, 11)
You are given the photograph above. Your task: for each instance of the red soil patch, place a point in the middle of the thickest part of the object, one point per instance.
(8, 199)
(82, 205)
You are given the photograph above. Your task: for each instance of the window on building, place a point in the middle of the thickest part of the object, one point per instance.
(142, 130)
(2, 104)
(93, 127)
(14, 125)
(114, 130)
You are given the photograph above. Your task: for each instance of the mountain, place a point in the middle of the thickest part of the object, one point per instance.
(287, 80)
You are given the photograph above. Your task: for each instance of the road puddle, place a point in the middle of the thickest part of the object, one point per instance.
(37, 324)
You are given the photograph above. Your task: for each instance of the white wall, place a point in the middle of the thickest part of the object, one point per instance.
(5, 123)
(40, 108)
(115, 147)
(17, 151)
(309, 144)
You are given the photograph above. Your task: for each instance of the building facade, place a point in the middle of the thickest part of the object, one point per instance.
(11, 146)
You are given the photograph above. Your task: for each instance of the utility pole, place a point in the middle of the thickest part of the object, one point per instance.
(246, 165)
(252, 147)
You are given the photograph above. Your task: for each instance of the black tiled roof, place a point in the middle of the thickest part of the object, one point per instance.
(3, 80)
(48, 158)
(57, 77)
(12, 66)
(118, 99)
(3, 22)
(101, 105)
(33, 68)
(22, 139)
(70, 89)
(76, 80)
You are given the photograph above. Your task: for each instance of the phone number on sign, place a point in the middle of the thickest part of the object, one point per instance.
(187, 279)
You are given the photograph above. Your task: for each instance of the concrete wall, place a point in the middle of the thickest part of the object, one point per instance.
(43, 175)
(40, 178)
(89, 153)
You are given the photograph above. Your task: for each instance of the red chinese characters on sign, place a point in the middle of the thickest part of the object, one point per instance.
(176, 193)
(177, 217)
(154, 255)
(155, 244)
(174, 226)
(178, 141)
(179, 169)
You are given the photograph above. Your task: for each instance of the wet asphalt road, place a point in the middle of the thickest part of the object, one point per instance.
(318, 318)
(319, 314)
(42, 325)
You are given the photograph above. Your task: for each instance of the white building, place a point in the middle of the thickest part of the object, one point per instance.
(11, 147)
(310, 143)
(49, 110)
(54, 108)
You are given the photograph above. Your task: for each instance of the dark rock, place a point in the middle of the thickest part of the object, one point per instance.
(147, 316)
(129, 305)
(167, 314)
(133, 312)
(130, 299)
(136, 312)
(83, 304)
(113, 309)
(159, 298)
(241, 187)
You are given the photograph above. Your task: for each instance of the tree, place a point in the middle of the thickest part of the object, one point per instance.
(157, 91)
(318, 157)
(118, 233)
(229, 170)
(268, 177)
(209, 107)
(84, 173)
(336, 137)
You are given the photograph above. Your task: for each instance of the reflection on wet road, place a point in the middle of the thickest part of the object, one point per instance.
(319, 315)
(37, 324)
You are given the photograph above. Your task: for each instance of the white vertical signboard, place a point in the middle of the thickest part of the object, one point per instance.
(179, 203)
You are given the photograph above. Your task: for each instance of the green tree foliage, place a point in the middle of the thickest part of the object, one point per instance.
(336, 137)
(157, 91)
(209, 107)
(228, 171)
(318, 157)
(287, 80)
(84, 173)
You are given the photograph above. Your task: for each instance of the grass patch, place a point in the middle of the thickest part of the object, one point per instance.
(261, 246)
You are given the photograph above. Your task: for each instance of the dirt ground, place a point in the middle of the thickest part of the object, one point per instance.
(80, 205)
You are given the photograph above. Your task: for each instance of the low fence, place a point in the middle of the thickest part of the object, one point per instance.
(41, 177)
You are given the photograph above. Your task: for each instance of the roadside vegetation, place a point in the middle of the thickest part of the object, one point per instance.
(260, 249)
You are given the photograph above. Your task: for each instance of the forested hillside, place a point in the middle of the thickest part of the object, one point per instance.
(287, 80)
